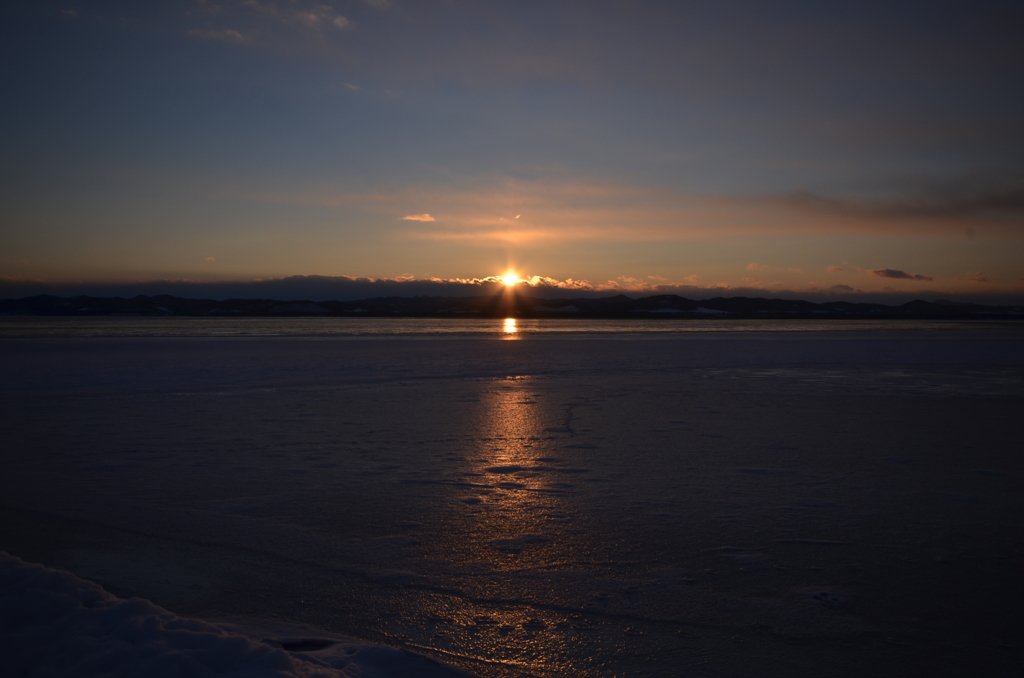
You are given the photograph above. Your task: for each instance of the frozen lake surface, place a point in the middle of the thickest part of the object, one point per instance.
(703, 504)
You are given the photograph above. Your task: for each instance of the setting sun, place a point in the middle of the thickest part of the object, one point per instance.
(510, 279)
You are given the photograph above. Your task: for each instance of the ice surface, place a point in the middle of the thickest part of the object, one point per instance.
(803, 504)
(53, 623)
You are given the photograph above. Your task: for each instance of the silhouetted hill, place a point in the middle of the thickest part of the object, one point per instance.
(619, 306)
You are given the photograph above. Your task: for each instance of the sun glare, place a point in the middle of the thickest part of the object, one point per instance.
(510, 279)
(510, 326)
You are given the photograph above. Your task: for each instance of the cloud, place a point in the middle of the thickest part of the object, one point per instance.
(348, 288)
(210, 259)
(226, 35)
(625, 283)
(418, 217)
(558, 211)
(297, 26)
(609, 211)
(318, 16)
(977, 277)
(69, 13)
(897, 274)
(341, 287)
(950, 201)
(756, 267)
(312, 13)
(835, 269)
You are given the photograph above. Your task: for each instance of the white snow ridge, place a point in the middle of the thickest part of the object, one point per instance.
(54, 624)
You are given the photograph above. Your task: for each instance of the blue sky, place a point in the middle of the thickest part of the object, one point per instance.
(775, 147)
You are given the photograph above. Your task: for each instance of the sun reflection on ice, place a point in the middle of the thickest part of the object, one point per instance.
(510, 326)
(514, 532)
(513, 521)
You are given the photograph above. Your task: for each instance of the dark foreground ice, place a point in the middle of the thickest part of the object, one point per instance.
(715, 506)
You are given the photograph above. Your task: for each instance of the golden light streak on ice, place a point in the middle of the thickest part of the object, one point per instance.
(511, 523)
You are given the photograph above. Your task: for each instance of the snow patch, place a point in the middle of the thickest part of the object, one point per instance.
(54, 624)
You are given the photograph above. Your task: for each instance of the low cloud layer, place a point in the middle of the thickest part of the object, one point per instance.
(897, 274)
(345, 288)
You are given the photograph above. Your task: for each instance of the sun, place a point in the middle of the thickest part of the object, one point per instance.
(510, 279)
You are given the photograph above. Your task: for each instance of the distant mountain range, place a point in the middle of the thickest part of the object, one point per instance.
(521, 306)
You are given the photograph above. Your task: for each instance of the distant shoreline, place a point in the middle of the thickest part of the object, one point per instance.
(619, 307)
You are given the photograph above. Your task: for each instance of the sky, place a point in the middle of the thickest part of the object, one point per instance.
(846, 150)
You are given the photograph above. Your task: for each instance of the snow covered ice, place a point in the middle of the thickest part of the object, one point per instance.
(840, 504)
(55, 624)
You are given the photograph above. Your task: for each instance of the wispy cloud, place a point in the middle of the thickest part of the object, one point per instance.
(295, 25)
(942, 202)
(835, 269)
(756, 267)
(418, 217)
(977, 277)
(225, 35)
(554, 210)
(897, 274)
(321, 16)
